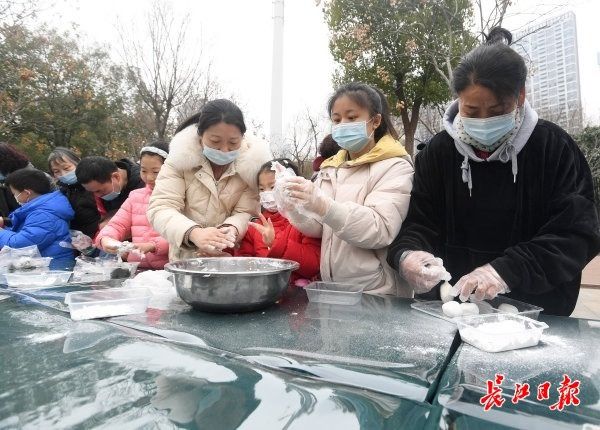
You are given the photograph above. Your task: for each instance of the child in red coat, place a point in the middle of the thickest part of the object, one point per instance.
(275, 237)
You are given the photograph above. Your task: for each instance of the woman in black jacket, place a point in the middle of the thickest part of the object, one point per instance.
(502, 200)
(62, 163)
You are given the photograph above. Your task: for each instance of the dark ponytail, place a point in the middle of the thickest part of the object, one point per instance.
(369, 98)
(494, 65)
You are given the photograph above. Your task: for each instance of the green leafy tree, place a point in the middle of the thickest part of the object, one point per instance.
(54, 93)
(407, 48)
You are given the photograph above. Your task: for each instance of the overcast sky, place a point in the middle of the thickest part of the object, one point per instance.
(237, 37)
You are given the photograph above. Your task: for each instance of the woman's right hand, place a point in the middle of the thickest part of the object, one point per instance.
(210, 241)
(423, 271)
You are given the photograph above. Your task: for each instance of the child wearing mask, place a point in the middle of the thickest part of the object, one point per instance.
(41, 220)
(62, 163)
(274, 236)
(150, 249)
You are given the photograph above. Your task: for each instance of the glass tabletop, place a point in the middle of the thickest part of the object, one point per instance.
(81, 374)
(380, 344)
(568, 347)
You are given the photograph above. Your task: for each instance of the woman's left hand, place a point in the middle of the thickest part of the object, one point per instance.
(483, 283)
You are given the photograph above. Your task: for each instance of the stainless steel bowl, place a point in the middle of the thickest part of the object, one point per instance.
(231, 284)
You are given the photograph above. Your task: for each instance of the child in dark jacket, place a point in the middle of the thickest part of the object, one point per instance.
(275, 237)
(42, 220)
(62, 163)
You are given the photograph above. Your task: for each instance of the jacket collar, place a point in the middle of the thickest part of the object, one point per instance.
(185, 153)
(386, 147)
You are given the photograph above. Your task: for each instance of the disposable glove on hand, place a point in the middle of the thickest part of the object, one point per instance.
(309, 197)
(423, 271)
(483, 283)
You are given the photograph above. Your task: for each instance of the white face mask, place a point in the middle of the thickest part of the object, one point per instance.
(267, 201)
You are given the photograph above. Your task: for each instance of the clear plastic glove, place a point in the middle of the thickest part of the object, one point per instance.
(110, 245)
(423, 271)
(307, 195)
(211, 241)
(483, 283)
(79, 241)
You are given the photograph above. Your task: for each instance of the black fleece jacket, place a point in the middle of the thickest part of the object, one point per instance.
(538, 233)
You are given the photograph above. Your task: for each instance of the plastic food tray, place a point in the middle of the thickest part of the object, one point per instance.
(524, 309)
(27, 281)
(434, 308)
(500, 332)
(334, 293)
(107, 303)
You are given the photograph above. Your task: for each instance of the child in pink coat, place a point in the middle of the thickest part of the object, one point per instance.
(131, 221)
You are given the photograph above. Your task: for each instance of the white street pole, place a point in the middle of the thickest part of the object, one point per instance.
(277, 76)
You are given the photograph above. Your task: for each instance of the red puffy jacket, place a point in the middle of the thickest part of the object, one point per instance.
(289, 244)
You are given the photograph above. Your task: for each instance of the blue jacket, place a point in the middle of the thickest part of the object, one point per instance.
(43, 222)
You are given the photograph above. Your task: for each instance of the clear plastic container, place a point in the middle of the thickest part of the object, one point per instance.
(500, 332)
(523, 308)
(107, 303)
(334, 293)
(25, 280)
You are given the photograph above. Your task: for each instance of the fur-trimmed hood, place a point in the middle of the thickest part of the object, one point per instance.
(185, 153)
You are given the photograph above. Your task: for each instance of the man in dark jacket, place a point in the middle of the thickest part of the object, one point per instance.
(109, 181)
(501, 200)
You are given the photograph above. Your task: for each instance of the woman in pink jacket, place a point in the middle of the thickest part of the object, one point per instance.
(131, 220)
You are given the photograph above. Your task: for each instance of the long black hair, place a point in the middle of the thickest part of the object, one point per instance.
(214, 112)
(370, 98)
(494, 65)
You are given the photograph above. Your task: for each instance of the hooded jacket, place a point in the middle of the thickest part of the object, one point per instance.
(289, 244)
(43, 222)
(131, 221)
(370, 201)
(531, 215)
(86, 217)
(186, 192)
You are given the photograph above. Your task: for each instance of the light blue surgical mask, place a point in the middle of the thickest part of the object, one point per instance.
(69, 178)
(352, 136)
(112, 195)
(220, 158)
(488, 131)
(2, 177)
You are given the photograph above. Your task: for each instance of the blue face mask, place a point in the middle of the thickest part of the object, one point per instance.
(352, 136)
(69, 178)
(220, 158)
(2, 177)
(488, 131)
(111, 196)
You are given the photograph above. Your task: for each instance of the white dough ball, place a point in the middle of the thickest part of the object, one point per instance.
(469, 309)
(452, 309)
(508, 309)
(445, 290)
